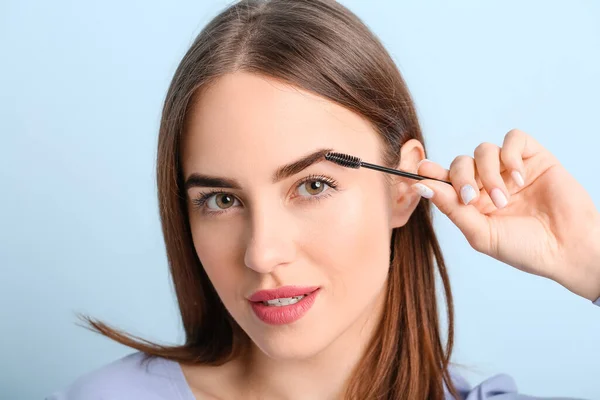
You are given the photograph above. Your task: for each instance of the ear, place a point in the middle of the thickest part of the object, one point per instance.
(404, 200)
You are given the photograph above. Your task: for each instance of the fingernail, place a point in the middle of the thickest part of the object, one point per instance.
(467, 193)
(516, 175)
(423, 190)
(421, 162)
(498, 198)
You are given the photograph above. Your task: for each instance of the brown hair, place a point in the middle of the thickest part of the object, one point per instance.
(324, 48)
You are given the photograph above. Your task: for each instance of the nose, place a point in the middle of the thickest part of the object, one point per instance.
(270, 242)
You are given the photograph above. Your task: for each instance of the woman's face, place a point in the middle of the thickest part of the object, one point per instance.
(321, 227)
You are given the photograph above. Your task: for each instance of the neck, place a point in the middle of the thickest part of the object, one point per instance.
(323, 376)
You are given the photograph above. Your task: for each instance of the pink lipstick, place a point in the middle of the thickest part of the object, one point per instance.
(283, 305)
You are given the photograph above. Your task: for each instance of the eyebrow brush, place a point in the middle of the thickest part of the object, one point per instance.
(349, 161)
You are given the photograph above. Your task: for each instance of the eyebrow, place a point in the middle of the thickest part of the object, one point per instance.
(285, 171)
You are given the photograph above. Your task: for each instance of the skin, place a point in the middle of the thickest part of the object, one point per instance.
(267, 234)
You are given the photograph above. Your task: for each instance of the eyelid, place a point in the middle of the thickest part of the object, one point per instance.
(201, 200)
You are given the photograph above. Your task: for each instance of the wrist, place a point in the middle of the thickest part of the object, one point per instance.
(594, 264)
(582, 272)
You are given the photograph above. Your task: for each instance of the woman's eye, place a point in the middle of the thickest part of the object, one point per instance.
(312, 187)
(222, 201)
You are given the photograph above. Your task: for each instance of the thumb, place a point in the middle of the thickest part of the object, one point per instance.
(472, 223)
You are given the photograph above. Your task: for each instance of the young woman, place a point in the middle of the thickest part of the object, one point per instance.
(298, 278)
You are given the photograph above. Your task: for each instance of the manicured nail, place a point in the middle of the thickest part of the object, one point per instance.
(498, 198)
(516, 175)
(467, 193)
(423, 190)
(421, 162)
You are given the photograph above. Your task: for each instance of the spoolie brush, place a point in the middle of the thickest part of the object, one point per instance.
(349, 161)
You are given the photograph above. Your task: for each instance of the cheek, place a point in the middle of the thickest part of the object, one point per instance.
(214, 248)
(351, 244)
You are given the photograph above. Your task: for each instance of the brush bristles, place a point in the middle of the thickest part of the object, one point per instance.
(344, 160)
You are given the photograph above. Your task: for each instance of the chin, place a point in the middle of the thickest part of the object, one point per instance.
(291, 344)
(301, 339)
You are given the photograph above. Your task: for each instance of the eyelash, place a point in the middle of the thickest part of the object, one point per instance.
(202, 199)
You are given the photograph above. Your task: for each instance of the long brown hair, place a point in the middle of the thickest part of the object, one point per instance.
(322, 47)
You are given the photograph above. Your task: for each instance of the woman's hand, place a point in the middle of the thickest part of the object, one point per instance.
(523, 209)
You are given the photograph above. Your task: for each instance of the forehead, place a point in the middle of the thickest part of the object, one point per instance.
(249, 122)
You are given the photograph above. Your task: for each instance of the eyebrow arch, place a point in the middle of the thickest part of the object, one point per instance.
(285, 171)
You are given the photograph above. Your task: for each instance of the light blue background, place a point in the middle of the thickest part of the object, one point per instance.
(81, 89)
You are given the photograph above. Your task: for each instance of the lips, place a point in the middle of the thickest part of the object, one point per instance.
(282, 292)
(298, 301)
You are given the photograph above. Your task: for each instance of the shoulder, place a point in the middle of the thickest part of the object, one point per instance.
(498, 387)
(135, 376)
(490, 389)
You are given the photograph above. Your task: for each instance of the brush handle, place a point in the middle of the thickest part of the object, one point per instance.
(398, 172)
